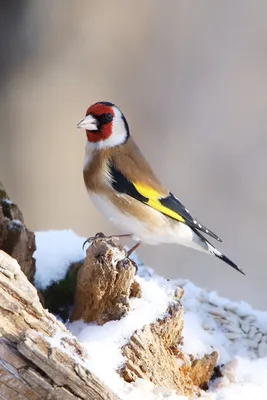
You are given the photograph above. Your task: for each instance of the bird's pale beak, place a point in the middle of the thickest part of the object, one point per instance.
(89, 123)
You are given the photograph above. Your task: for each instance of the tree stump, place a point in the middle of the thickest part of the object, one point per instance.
(103, 283)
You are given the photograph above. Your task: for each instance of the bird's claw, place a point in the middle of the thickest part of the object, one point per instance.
(101, 235)
(92, 238)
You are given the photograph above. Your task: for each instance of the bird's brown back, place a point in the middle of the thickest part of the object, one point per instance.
(127, 159)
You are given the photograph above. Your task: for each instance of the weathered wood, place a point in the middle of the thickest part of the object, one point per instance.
(31, 368)
(152, 353)
(103, 283)
(15, 238)
(202, 369)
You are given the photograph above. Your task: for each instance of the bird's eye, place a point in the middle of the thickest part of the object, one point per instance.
(105, 118)
(109, 117)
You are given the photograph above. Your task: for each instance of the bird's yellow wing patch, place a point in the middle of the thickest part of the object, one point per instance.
(166, 204)
(154, 201)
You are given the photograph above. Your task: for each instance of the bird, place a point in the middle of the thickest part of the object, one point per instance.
(124, 188)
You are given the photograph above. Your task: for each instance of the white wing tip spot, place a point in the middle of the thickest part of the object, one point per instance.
(200, 226)
(207, 231)
(195, 222)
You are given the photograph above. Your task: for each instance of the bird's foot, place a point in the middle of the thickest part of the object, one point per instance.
(92, 238)
(101, 235)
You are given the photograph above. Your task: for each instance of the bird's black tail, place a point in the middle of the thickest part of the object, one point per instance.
(212, 250)
(228, 261)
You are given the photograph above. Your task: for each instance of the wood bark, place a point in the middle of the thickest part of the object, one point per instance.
(15, 238)
(104, 283)
(153, 353)
(39, 358)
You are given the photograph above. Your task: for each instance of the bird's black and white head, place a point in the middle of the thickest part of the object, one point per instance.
(105, 125)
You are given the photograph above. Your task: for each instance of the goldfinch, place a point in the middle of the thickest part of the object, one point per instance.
(122, 185)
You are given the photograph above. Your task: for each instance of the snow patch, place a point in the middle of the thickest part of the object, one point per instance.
(55, 251)
(212, 322)
(17, 224)
(118, 255)
(7, 201)
(103, 343)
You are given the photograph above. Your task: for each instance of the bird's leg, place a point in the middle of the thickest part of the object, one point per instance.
(101, 235)
(129, 252)
(124, 235)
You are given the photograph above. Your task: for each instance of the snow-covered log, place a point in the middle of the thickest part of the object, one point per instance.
(39, 358)
(152, 354)
(102, 294)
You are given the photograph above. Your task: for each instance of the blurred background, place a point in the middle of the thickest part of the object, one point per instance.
(190, 78)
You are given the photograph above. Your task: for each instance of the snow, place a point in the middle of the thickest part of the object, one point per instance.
(103, 343)
(17, 224)
(55, 251)
(7, 201)
(240, 330)
(142, 389)
(118, 255)
(244, 380)
(235, 330)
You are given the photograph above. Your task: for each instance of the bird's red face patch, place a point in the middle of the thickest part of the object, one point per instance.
(103, 113)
